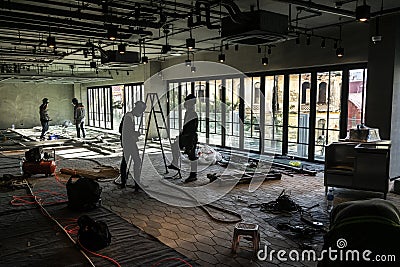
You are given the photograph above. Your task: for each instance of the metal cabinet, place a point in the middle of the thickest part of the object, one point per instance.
(361, 166)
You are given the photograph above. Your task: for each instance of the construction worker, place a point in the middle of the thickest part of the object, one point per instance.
(79, 117)
(187, 139)
(129, 136)
(44, 118)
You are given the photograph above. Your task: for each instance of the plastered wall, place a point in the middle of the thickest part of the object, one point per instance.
(19, 103)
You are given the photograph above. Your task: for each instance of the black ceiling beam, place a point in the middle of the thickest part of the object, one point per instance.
(9, 24)
(143, 7)
(319, 7)
(35, 41)
(28, 8)
(54, 22)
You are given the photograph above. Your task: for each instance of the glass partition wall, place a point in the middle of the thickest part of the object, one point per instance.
(287, 113)
(107, 104)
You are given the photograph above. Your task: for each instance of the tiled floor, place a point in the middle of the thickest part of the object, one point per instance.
(192, 232)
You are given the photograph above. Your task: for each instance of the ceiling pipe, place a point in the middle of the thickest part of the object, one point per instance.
(46, 21)
(81, 15)
(8, 24)
(143, 8)
(319, 7)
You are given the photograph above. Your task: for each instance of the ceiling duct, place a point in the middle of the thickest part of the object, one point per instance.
(258, 27)
(115, 59)
(205, 6)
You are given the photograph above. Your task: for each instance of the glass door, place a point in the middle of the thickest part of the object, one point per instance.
(327, 119)
(215, 109)
(232, 101)
(273, 133)
(252, 100)
(202, 104)
(117, 105)
(299, 114)
(356, 101)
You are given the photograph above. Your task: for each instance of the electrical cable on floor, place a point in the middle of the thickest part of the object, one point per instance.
(25, 200)
(44, 211)
(202, 206)
(40, 200)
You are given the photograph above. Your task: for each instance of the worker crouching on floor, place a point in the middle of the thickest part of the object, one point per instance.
(187, 139)
(44, 118)
(129, 137)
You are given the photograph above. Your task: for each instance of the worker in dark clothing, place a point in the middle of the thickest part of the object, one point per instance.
(79, 117)
(187, 139)
(129, 136)
(44, 118)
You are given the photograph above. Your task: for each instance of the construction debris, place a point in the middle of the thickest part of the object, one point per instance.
(104, 172)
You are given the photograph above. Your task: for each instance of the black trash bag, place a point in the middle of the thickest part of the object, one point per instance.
(93, 235)
(83, 194)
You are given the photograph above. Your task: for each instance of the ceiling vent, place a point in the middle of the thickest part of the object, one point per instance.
(256, 28)
(113, 58)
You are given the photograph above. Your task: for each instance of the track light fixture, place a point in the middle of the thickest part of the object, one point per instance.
(264, 61)
(340, 52)
(323, 43)
(188, 62)
(112, 32)
(363, 13)
(51, 41)
(221, 58)
(193, 69)
(259, 49)
(269, 50)
(145, 59)
(190, 43)
(335, 44)
(308, 40)
(122, 48)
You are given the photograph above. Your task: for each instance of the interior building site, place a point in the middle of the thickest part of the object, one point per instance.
(199, 133)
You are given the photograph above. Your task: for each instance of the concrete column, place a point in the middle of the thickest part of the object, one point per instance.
(383, 96)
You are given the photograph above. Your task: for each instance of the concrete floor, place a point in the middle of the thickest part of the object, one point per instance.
(191, 231)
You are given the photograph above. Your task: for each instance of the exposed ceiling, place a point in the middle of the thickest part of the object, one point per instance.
(80, 30)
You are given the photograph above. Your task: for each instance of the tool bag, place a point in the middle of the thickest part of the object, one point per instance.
(93, 235)
(34, 154)
(83, 194)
